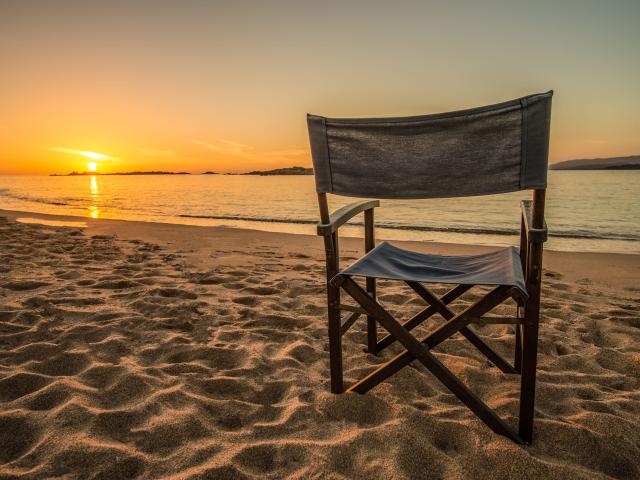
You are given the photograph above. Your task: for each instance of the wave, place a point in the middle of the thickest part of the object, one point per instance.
(422, 228)
(74, 202)
(6, 192)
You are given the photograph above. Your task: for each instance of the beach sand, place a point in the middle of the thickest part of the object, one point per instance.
(138, 350)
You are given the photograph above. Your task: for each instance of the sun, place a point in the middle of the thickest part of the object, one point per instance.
(92, 166)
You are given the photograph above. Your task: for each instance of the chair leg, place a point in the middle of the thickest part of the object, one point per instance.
(528, 380)
(369, 244)
(530, 336)
(372, 325)
(517, 360)
(335, 339)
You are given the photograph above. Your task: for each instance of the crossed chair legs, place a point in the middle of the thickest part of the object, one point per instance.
(525, 359)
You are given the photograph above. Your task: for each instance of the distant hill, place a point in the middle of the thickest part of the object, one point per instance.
(614, 163)
(283, 171)
(74, 174)
(210, 173)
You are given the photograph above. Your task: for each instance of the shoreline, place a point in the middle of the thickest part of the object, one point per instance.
(608, 269)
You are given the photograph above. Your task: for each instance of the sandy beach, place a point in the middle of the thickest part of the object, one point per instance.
(141, 350)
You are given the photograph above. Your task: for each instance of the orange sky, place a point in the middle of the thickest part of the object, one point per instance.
(198, 86)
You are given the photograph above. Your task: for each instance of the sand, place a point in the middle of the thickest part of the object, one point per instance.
(137, 350)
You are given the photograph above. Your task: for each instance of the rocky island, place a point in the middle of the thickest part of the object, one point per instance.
(631, 162)
(282, 171)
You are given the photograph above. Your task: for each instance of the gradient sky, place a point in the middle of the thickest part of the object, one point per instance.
(224, 86)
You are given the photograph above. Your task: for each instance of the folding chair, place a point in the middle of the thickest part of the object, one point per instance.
(488, 150)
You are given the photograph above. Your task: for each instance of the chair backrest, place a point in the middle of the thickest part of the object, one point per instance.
(494, 149)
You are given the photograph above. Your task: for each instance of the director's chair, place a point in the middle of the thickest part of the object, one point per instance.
(487, 150)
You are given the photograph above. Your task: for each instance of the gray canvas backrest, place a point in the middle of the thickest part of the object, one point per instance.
(493, 149)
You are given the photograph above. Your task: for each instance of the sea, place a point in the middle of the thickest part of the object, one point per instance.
(587, 211)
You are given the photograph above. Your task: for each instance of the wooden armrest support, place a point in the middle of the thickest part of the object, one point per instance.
(534, 235)
(343, 215)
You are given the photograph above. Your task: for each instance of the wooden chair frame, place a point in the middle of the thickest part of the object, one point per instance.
(533, 234)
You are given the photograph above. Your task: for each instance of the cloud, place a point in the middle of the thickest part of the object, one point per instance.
(240, 150)
(83, 153)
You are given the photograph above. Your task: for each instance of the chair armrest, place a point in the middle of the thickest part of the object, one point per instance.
(534, 235)
(344, 214)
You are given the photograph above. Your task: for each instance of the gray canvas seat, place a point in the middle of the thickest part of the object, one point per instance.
(480, 151)
(501, 267)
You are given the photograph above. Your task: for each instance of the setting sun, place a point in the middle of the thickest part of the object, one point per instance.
(92, 166)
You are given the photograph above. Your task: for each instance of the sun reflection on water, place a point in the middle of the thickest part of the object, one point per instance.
(94, 211)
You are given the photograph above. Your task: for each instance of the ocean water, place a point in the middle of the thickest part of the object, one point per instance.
(595, 211)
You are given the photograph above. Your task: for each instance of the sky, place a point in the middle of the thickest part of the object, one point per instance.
(224, 86)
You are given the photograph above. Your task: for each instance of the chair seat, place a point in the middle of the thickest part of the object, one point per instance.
(500, 267)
